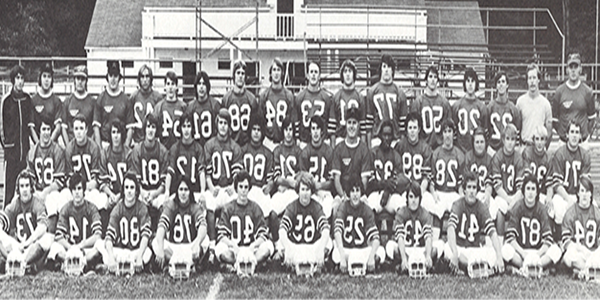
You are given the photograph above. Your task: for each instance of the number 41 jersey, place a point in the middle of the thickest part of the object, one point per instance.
(242, 224)
(182, 222)
(471, 223)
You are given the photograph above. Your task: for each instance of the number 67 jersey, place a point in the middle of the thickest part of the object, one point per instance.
(128, 225)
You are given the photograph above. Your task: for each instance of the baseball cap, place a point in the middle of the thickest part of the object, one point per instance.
(113, 67)
(574, 58)
(80, 71)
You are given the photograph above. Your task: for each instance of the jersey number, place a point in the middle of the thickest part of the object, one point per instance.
(357, 225)
(305, 229)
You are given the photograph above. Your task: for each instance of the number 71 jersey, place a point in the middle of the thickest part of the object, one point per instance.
(568, 165)
(242, 224)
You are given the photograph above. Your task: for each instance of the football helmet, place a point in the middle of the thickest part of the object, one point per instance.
(532, 266)
(125, 265)
(357, 265)
(245, 263)
(478, 268)
(305, 264)
(180, 266)
(416, 266)
(74, 262)
(592, 268)
(15, 264)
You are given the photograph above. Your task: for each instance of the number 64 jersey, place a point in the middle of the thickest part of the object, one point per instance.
(242, 224)
(128, 225)
(581, 226)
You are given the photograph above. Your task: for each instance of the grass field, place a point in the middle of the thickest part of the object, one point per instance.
(284, 285)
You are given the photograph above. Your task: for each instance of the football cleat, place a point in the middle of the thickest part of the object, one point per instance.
(125, 266)
(15, 264)
(532, 266)
(478, 269)
(357, 266)
(416, 267)
(74, 262)
(245, 263)
(180, 267)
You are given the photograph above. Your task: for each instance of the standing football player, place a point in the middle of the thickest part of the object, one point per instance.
(168, 111)
(311, 101)
(276, 102)
(78, 103)
(469, 112)
(502, 111)
(46, 105)
(240, 103)
(346, 98)
(204, 109)
(143, 101)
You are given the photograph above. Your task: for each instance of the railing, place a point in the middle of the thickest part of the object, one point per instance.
(285, 25)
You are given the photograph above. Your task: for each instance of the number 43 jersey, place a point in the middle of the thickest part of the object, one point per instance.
(242, 224)
(128, 225)
(304, 224)
(413, 227)
(182, 222)
(77, 224)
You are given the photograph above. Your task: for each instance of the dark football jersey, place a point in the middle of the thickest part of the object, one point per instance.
(240, 108)
(86, 159)
(529, 227)
(416, 159)
(127, 225)
(568, 165)
(223, 160)
(317, 161)
(143, 105)
(204, 114)
(48, 108)
(20, 220)
(116, 166)
(110, 108)
(354, 160)
(276, 105)
(355, 224)
(386, 164)
(242, 224)
(471, 222)
(507, 171)
(77, 224)
(306, 105)
(150, 165)
(304, 224)
(446, 168)
(258, 162)
(387, 102)
(186, 160)
(74, 106)
(538, 165)
(468, 114)
(181, 222)
(286, 160)
(168, 114)
(500, 115)
(413, 227)
(48, 164)
(581, 226)
(342, 101)
(434, 111)
(480, 165)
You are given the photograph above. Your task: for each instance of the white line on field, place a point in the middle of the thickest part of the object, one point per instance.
(215, 287)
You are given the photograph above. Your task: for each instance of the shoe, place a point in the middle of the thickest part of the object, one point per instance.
(101, 269)
(89, 273)
(31, 269)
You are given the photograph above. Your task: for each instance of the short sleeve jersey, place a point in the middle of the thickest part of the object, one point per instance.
(73, 106)
(356, 224)
(286, 160)
(47, 107)
(149, 164)
(20, 220)
(276, 104)
(343, 100)
(186, 160)
(143, 105)
(242, 224)
(204, 114)
(86, 159)
(77, 224)
(304, 224)
(351, 160)
(468, 114)
(258, 162)
(386, 164)
(529, 226)
(116, 166)
(538, 165)
(573, 104)
(416, 158)
(181, 222)
(168, 114)
(581, 226)
(387, 102)
(240, 108)
(500, 115)
(317, 161)
(414, 227)
(223, 160)
(434, 111)
(446, 168)
(109, 108)
(471, 222)
(568, 165)
(128, 225)
(480, 165)
(48, 164)
(507, 171)
(306, 105)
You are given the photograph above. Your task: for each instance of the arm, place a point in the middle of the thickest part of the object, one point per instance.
(452, 243)
(168, 184)
(403, 256)
(57, 131)
(97, 136)
(89, 242)
(129, 137)
(498, 249)
(36, 235)
(65, 135)
(375, 243)
(159, 250)
(33, 135)
(338, 185)
(339, 245)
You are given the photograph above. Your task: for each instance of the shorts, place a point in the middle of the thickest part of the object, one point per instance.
(509, 252)
(395, 201)
(444, 205)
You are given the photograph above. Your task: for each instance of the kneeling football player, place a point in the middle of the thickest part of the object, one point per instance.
(468, 226)
(529, 240)
(304, 230)
(241, 232)
(412, 232)
(181, 229)
(78, 230)
(356, 236)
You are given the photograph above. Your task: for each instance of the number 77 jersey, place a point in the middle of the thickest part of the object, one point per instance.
(387, 102)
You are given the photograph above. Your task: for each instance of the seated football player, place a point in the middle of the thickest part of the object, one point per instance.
(128, 233)
(470, 222)
(79, 227)
(286, 158)
(447, 164)
(304, 230)
(181, 230)
(388, 183)
(479, 161)
(23, 225)
(537, 160)
(580, 231)
(242, 230)
(528, 233)
(357, 247)
(412, 232)
(507, 177)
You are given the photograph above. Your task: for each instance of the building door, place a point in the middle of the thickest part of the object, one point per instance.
(189, 73)
(285, 18)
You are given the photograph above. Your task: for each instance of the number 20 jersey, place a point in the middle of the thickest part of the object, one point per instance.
(242, 224)
(181, 222)
(127, 225)
(76, 224)
(304, 224)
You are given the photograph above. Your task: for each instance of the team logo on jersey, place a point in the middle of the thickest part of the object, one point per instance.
(39, 108)
(74, 112)
(567, 104)
(108, 109)
(346, 161)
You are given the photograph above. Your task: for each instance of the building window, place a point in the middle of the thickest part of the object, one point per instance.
(224, 65)
(127, 64)
(166, 64)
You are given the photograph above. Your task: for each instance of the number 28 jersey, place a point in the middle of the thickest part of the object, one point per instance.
(127, 225)
(181, 223)
(242, 224)
(304, 224)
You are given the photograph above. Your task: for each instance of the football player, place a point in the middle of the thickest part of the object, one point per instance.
(316, 158)
(386, 101)
(182, 227)
(433, 109)
(286, 158)
(168, 111)
(204, 109)
(469, 224)
(355, 230)
(580, 230)
(479, 161)
(304, 229)
(242, 225)
(112, 104)
(528, 232)
(569, 162)
(46, 105)
(78, 103)
(115, 155)
(346, 98)
(537, 161)
(143, 100)
(79, 226)
(387, 183)
(240, 103)
(469, 112)
(128, 230)
(276, 102)
(502, 111)
(311, 101)
(507, 177)
(24, 223)
(186, 159)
